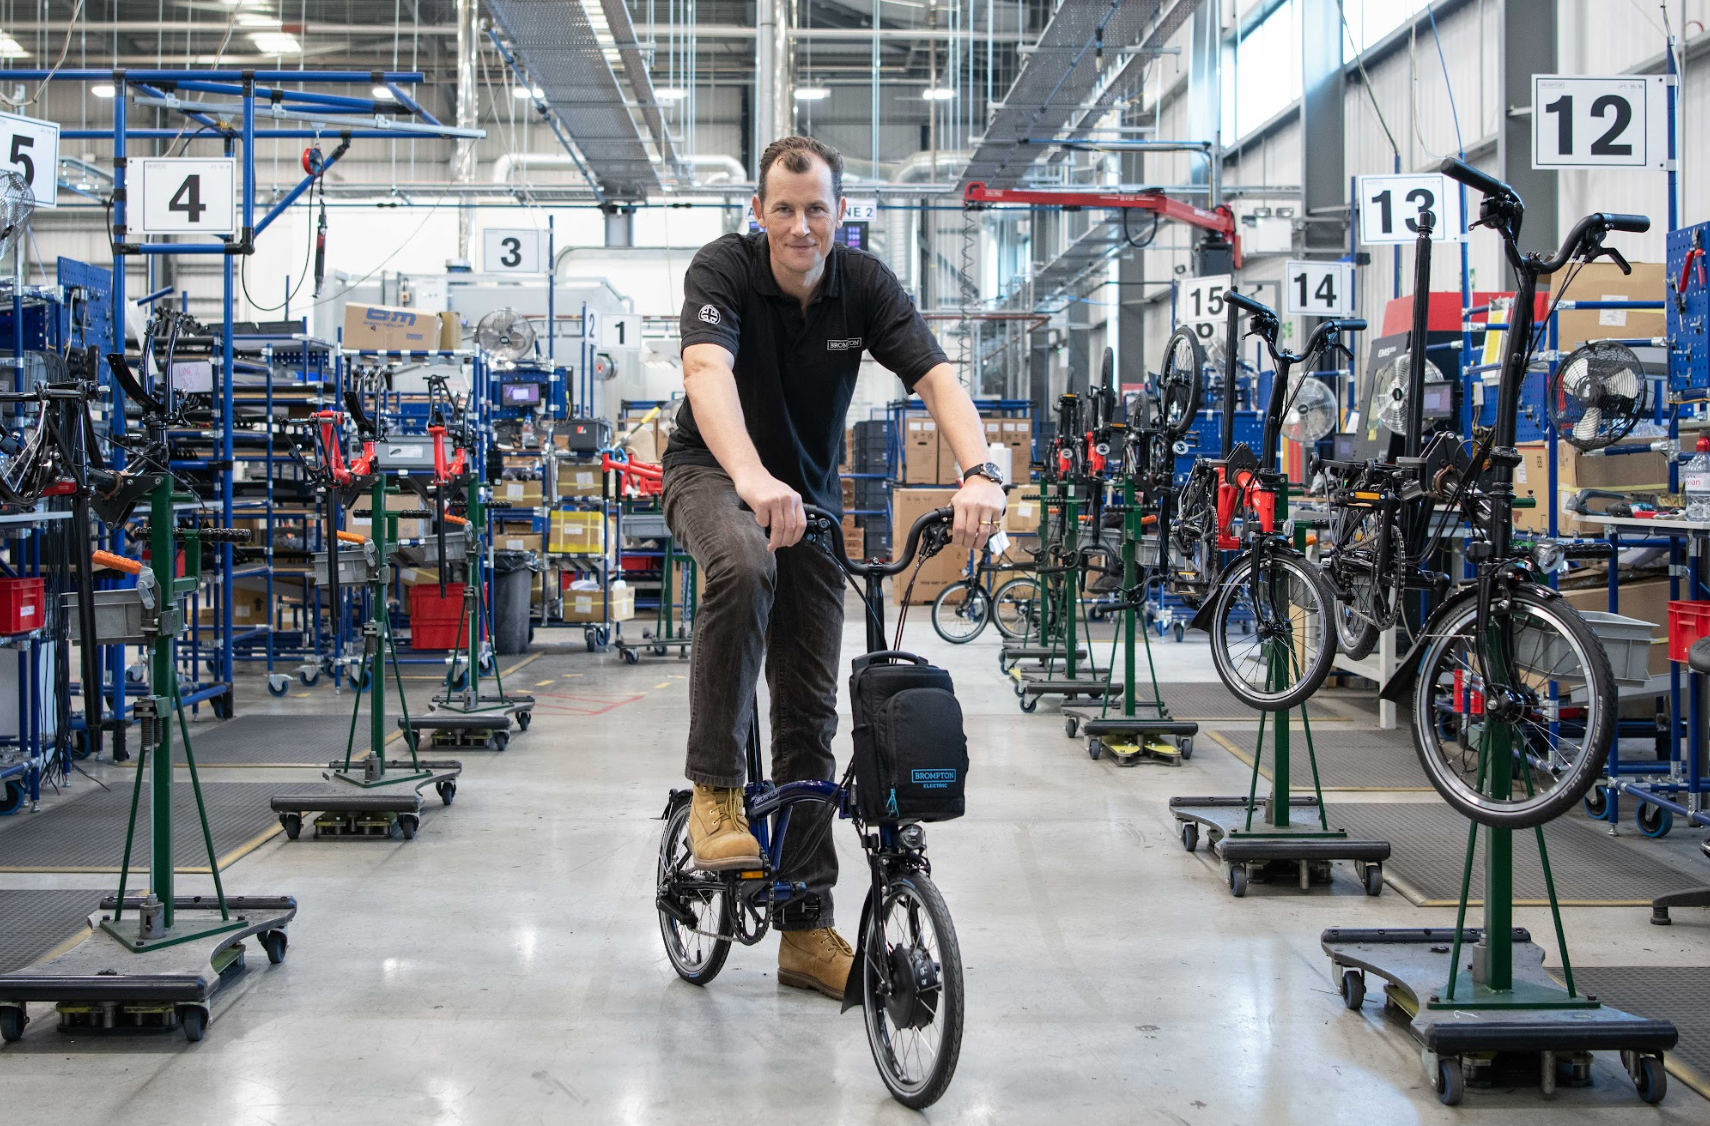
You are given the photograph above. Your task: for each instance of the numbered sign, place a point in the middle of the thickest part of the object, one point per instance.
(519, 251)
(1599, 122)
(591, 324)
(1318, 289)
(1200, 300)
(1390, 205)
(31, 149)
(187, 196)
(620, 330)
(861, 211)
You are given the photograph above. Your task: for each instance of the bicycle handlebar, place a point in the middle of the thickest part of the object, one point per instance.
(1479, 181)
(825, 521)
(116, 562)
(1242, 301)
(1634, 224)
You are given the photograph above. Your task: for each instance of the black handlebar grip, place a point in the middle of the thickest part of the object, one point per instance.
(1242, 301)
(1637, 224)
(1473, 178)
(1351, 324)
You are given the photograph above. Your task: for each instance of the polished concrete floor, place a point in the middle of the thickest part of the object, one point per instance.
(505, 967)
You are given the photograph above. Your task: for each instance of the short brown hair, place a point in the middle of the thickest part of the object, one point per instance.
(795, 152)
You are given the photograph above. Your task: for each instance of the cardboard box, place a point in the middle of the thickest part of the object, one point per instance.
(390, 328)
(524, 541)
(576, 480)
(590, 605)
(526, 462)
(907, 506)
(517, 494)
(1021, 517)
(580, 533)
(920, 450)
(1018, 436)
(1646, 601)
(1576, 470)
(1604, 281)
(854, 538)
(450, 332)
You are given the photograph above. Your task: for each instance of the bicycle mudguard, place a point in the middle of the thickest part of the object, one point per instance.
(1407, 671)
(852, 987)
(1202, 620)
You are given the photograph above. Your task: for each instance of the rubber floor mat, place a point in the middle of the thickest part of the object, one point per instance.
(297, 740)
(1680, 994)
(32, 923)
(1428, 842)
(88, 834)
(1349, 757)
(1210, 701)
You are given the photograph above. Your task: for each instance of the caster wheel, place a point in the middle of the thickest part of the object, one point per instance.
(1654, 821)
(524, 719)
(1095, 749)
(278, 684)
(81, 747)
(1238, 881)
(308, 676)
(1651, 1080)
(407, 824)
(1029, 704)
(274, 942)
(501, 740)
(486, 664)
(12, 1022)
(657, 650)
(588, 636)
(1071, 726)
(1185, 746)
(447, 790)
(1179, 631)
(222, 705)
(293, 825)
(631, 656)
(1451, 1082)
(1190, 837)
(1597, 803)
(456, 681)
(194, 1021)
(1373, 879)
(1353, 989)
(603, 636)
(11, 798)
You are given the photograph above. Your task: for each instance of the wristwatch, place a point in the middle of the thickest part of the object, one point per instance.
(988, 470)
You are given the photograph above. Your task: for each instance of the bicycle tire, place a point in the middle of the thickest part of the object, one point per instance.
(941, 1004)
(1181, 386)
(961, 603)
(1433, 722)
(674, 859)
(1023, 622)
(1359, 590)
(1305, 580)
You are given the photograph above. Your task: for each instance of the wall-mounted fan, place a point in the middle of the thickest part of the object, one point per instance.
(17, 204)
(1312, 414)
(1597, 394)
(1389, 390)
(505, 335)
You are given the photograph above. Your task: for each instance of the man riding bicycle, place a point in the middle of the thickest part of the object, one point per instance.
(773, 327)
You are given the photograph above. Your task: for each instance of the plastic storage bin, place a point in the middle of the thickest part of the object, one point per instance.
(21, 605)
(1687, 622)
(436, 621)
(1627, 641)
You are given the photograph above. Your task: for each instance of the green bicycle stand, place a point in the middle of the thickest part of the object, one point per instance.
(1065, 608)
(665, 634)
(1495, 1018)
(467, 717)
(1130, 737)
(155, 960)
(373, 796)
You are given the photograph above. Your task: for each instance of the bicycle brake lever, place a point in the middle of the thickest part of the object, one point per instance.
(1611, 252)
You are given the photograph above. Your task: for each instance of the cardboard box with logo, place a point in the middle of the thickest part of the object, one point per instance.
(907, 506)
(391, 328)
(1576, 470)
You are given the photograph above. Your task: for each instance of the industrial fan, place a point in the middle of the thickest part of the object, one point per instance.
(1389, 391)
(505, 335)
(1312, 412)
(1597, 394)
(17, 204)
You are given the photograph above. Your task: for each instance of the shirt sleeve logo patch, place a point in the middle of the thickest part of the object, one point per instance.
(709, 314)
(853, 344)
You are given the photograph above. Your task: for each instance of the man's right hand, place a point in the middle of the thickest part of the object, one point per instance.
(777, 508)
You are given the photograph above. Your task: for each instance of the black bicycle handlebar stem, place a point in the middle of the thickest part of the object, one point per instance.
(873, 572)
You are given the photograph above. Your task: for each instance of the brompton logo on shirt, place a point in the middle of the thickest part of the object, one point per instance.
(853, 344)
(709, 314)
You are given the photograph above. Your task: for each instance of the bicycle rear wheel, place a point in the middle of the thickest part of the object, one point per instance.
(695, 917)
(1016, 609)
(960, 612)
(1272, 637)
(911, 990)
(1365, 601)
(1521, 762)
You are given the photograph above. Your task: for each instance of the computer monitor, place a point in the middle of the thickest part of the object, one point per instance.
(519, 393)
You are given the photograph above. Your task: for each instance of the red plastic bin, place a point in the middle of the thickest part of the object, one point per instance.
(1687, 622)
(22, 602)
(434, 620)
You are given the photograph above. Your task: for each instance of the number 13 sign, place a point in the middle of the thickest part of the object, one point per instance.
(1390, 205)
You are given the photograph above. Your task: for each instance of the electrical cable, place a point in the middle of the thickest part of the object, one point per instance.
(64, 49)
(1366, 81)
(302, 277)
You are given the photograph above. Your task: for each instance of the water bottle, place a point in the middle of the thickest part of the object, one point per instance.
(1695, 483)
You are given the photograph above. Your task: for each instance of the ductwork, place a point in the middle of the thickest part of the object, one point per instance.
(722, 169)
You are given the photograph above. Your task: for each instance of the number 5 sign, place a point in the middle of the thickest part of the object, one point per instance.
(31, 149)
(188, 195)
(1318, 289)
(1599, 122)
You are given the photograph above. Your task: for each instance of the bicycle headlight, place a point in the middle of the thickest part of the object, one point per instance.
(1548, 556)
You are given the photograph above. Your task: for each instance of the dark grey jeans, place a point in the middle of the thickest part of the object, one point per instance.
(782, 611)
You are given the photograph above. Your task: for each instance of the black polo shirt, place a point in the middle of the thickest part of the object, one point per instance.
(796, 373)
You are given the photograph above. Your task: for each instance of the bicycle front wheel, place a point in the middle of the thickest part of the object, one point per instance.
(1526, 752)
(1272, 633)
(1016, 609)
(960, 612)
(911, 990)
(695, 917)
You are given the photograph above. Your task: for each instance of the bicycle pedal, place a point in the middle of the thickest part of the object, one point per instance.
(756, 874)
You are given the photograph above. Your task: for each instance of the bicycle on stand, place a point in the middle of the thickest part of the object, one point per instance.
(907, 976)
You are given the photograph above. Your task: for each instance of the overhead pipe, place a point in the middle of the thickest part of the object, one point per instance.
(463, 155)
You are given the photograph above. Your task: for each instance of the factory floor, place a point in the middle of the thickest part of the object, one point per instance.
(506, 966)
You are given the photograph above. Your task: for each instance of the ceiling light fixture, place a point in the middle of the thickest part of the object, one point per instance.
(812, 93)
(102, 89)
(939, 93)
(523, 93)
(276, 43)
(11, 49)
(669, 93)
(381, 94)
(258, 19)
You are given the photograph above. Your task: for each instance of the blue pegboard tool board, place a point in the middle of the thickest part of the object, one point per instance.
(1689, 311)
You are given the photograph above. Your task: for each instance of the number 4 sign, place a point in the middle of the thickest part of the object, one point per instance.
(188, 196)
(1617, 122)
(1318, 289)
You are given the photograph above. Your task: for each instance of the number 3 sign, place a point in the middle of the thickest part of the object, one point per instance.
(188, 196)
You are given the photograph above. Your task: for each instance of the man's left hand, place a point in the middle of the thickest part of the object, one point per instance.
(979, 512)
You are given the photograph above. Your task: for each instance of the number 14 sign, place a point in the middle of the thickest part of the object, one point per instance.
(1318, 289)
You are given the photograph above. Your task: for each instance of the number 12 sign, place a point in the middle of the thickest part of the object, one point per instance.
(188, 196)
(1619, 122)
(1390, 206)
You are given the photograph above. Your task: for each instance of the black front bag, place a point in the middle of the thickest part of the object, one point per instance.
(911, 755)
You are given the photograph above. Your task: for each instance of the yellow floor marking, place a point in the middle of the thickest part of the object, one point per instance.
(544, 683)
(662, 684)
(528, 660)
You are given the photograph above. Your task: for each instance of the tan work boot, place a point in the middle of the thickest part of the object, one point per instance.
(817, 959)
(718, 831)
